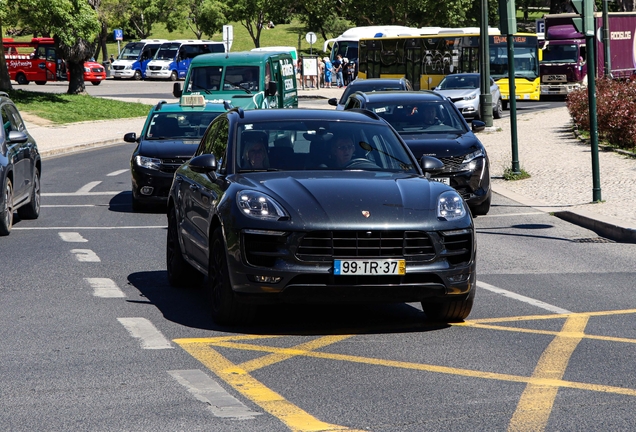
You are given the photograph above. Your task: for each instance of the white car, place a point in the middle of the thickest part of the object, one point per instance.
(463, 89)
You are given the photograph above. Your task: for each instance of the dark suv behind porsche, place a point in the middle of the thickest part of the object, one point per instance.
(448, 137)
(20, 168)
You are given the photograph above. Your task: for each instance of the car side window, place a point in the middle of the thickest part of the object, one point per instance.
(11, 120)
(352, 103)
(215, 142)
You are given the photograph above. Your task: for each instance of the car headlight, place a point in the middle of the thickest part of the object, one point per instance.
(87, 69)
(165, 67)
(128, 67)
(471, 96)
(450, 206)
(146, 162)
(259, 206)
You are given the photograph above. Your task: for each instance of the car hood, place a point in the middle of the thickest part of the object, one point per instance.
(328, 200)
(442, 145)
(458, 93)
(168, 149)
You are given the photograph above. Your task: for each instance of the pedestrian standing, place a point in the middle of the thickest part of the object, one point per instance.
(328, 70)
(337, 69)
(321, 73)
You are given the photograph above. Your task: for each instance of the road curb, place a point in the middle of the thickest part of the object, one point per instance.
(604, 226)
(45, 154)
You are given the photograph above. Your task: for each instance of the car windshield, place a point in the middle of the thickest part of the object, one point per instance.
(367, 87)
(456, 82)
(130, 52)
(179, 126)
(320, 145)
(420, 117)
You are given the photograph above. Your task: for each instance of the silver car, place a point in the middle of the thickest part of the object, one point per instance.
(463, 89)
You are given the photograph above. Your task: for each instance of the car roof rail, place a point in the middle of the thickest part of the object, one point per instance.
(366, 112)
(160, 104)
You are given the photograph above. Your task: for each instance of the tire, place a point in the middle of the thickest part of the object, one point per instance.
(497, 111)
(454, 310)
(504, 104)
(225, 308)
(40, 82)
(6, 211)
(180, 273)
(137, 76)
(21, 79)
(32, 209)
(96, 82)
(174, 76)
(483, 208)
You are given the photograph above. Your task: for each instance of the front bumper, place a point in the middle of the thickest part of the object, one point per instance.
(473, 185)
(447, 272)
(158, 74)
(160, 182)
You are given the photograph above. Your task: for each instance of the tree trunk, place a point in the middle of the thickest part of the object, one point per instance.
(5, 79)
(76, 82)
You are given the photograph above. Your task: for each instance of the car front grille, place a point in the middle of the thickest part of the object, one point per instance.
(452, 164)
(118, 67)
(457, 246)
(155, 68)
(172, 164)
(98, 70)
(322, 245)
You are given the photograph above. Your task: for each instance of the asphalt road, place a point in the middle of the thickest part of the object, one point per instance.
(94, 338)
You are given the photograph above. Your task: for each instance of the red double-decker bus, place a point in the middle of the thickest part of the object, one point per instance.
(37, 61)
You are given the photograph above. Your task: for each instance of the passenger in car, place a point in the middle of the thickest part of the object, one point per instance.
(255, 152)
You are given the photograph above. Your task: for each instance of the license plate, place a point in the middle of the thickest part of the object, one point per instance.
(375, 267)
(444, 180)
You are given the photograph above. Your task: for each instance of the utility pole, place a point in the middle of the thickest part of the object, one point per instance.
(485, 98)
(585, 24)
(508, 27)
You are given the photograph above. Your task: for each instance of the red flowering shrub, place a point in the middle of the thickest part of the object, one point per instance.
(615, 111)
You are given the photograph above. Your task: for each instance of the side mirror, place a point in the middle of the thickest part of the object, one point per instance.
(431, 165)
(203, 164)
(176, 90)
(333, 101)
(272, 88)
(17, 137)
(478, 125)
(130, 137)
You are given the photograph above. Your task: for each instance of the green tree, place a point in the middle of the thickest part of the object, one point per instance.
(72, 23)
(251, 14)
(199, 16)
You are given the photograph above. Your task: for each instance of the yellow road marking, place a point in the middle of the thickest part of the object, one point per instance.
(532, 412)
(536, 402)
(294, 417)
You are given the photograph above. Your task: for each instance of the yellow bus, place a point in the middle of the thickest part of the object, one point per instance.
(426, 59)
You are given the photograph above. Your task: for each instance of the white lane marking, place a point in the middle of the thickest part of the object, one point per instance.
(68, 205)
(116, 173)
(534, 302)
(205, 389)
(72, 237)
(79, 193)
(149, 336)
(87, 187)
(85, 255)
(105, 288)
(90, 228)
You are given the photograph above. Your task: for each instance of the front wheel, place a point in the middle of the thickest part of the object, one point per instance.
(137, 76)
(32, 209)
(6, 211)
(483, 208)
(174, 76)
(40, 82)
(225, 307)
(454, 310)
(497, 111)
(180, 272)
(96, 82)
(504, 104)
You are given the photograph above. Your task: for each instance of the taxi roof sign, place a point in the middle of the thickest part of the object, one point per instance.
(192, 100)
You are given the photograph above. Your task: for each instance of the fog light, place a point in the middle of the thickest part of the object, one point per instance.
(459, 278)
(267, 279)
(147, 190)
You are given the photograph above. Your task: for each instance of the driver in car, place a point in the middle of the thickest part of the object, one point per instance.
(342, 152)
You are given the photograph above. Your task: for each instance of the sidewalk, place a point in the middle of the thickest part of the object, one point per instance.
(559, 164)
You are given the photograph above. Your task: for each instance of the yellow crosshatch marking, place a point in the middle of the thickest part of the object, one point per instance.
(533, 410)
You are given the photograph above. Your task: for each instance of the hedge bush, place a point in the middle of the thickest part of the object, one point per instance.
(615, 111)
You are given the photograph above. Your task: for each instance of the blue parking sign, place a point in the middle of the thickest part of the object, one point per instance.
(119, 34)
